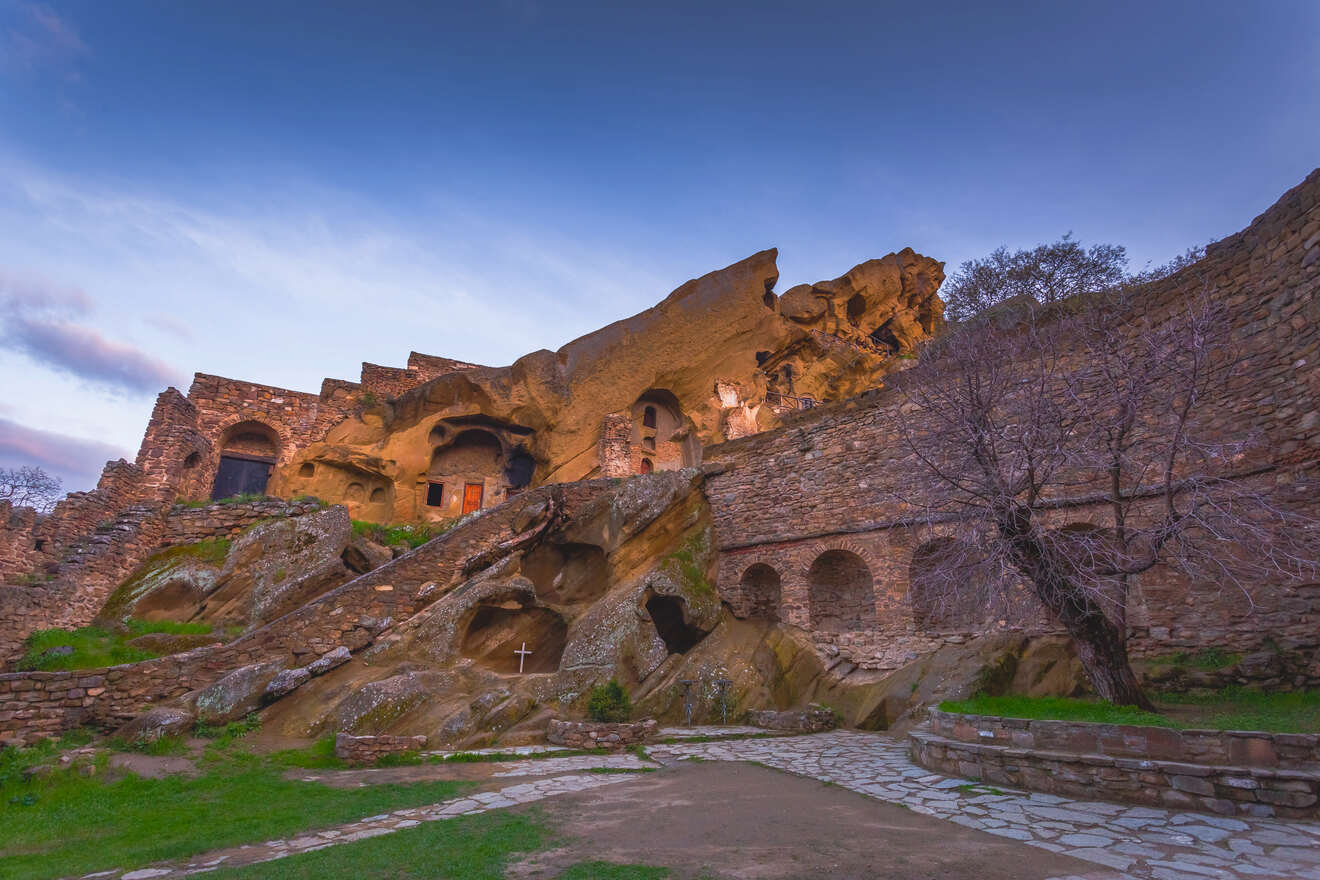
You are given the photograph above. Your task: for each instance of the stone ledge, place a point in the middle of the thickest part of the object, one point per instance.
(598, 734)
(1222, 789)
(813, 719)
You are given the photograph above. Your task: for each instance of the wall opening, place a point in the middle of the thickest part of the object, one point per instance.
(378, 495)
(856, 308)
(248, 452)
(495, 631)
(648, 466)
(307, 470)
(762, 592)
(662, 433)
(435, 494)
(841, 593)
(884, 336)
(667, 615)
(521, 467)
(192, 461)
(649, 417)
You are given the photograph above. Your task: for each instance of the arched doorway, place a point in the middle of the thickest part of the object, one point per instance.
(248, 451)
(840, 592)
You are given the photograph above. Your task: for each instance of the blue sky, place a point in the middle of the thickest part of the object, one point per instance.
(278, 191)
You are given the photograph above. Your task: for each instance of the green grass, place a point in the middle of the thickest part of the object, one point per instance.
(412, 534)
(67, 824)
(1228, 709)
(94, 647)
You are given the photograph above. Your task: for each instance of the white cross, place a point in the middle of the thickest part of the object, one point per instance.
(522, 655)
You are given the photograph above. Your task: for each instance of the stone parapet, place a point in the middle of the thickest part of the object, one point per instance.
(185, 525)
(600, 734)
(1240, 748)
(1222, 789)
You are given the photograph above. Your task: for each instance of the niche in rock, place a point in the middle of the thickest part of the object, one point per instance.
(497, 630)
(667, 614)
(177, 600)
(565, 574)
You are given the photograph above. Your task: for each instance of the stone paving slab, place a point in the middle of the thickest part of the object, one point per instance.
(710, 730)
(511, 750)
(1138, 842)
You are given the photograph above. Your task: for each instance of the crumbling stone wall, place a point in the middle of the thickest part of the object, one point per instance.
(36, 704)
(18, 541)
(831, 477)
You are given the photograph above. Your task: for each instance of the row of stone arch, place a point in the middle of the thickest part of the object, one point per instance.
(841, 591)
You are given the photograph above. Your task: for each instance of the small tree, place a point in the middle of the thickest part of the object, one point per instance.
(29, 486)
(609, 702)
(1045, 274)
(1104, 406)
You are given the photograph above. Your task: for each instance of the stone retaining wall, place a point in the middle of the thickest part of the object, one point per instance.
(813, 719)
(369, 749)
(1234, 747)
(598, 734)
(1244, 773)
(186, 525)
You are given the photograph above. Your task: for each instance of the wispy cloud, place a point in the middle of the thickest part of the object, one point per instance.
(37, 37)
(76, 461)
(40, 319)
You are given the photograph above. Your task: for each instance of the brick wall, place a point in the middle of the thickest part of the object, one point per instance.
(616, 446)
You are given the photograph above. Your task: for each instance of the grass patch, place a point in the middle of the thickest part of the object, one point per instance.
(1229, 709)
(469, 848)
(412, 534)
(66, 824)
(225, 734)
(91, 647)
(693, 575)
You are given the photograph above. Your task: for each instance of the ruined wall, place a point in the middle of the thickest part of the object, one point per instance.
(37, 704)
(831, 478)
(18, 541)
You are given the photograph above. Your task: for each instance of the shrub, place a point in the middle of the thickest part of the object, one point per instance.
(609, 702)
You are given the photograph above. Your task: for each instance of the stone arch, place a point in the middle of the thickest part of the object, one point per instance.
(468, 473)
(473, 452)
(840, 592)
(248, 451)
(948, 586)
(762, 591)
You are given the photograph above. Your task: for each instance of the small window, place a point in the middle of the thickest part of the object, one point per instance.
(192, 461)
(40, 545)
(307, 470)
(647, 467)
(648, 443)
(435, 494)
(648, 417)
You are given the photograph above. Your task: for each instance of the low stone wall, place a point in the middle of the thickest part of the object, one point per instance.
(1225, 772)
(369, 749)
(598, 734)
(185, 525)
(1235, 747)
(813, 719)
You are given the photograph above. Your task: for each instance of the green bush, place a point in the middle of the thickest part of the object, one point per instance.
(609, 702)
(412, 534)
(91, 647)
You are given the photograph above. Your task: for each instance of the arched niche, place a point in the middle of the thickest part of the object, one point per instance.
(762, 592)
(661, 437)
(840, 592)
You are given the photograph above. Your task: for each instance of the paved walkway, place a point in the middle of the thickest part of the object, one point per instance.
(1139, 842)
(1123, 841)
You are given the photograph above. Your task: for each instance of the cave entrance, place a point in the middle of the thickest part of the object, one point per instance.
(667, 615)
(496, 631)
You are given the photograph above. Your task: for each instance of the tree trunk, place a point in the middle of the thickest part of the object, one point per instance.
(1101, 645)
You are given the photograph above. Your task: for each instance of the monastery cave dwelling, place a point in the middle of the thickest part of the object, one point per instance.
(709, 496)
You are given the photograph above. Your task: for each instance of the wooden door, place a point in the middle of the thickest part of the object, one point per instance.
(472, 497)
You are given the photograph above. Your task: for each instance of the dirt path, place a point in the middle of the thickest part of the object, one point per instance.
(746, 822)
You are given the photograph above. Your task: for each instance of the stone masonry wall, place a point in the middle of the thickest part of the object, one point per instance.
(830, 477)
(1227, 772)
(37, 704)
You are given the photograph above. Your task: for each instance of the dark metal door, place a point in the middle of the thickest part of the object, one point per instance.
(240, 476)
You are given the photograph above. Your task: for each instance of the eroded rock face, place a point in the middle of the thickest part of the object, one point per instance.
(235, 695)
(722, 356)
(157, 723)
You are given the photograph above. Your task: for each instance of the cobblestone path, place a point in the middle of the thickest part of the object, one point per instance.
(1122, 841)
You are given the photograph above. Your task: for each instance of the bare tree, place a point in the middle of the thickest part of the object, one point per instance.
(1102, 407)
(1045, 274)
(29, 486)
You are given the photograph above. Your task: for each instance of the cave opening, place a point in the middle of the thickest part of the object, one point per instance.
(495, 631)
(667, 614)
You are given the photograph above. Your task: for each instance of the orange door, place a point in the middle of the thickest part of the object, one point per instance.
(472, 497)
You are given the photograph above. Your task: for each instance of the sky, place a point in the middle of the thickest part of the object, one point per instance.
(278, 191)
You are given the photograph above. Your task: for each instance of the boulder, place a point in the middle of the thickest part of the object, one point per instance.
(157, 723)
(374, 707)
(329, 660)
(235, 695)
(286, 683)
(363, 555)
